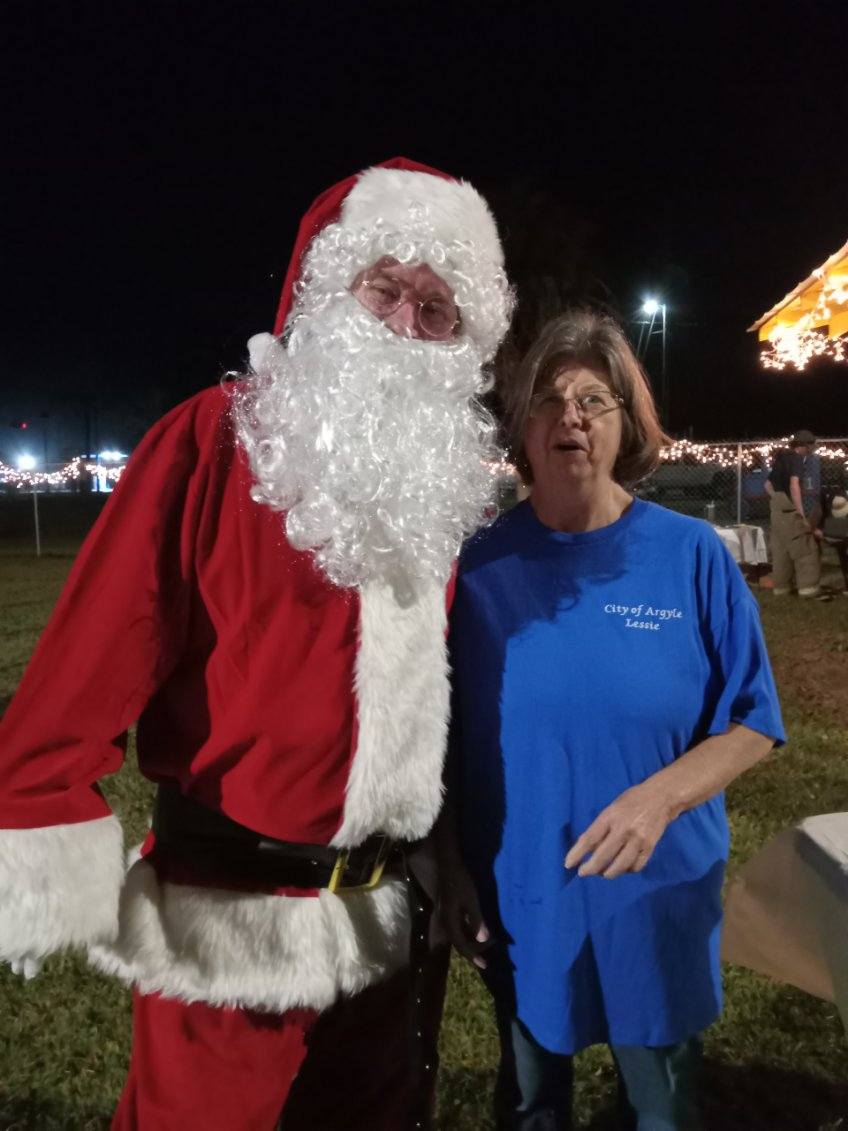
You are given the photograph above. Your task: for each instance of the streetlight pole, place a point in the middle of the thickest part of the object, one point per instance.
(652, 308)
(666, 406)
(27, 462)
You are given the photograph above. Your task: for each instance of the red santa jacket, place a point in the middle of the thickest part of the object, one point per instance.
(306, 712)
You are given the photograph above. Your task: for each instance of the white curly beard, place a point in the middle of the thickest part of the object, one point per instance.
(372, 444)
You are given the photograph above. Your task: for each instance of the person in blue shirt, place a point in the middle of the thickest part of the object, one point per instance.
(610, 679)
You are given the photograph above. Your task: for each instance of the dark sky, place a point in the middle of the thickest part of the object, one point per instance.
(158, 158)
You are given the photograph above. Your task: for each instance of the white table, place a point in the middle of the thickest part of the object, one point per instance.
(786, 913)
(747, 544)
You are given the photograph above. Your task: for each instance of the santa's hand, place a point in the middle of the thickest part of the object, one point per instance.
(27, 965)
(459, 910)
(623, 837)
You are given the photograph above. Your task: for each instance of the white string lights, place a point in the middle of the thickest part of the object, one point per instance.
(750, 454)
(26, 479)
(807, 338)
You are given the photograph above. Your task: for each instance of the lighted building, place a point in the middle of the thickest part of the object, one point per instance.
(811, 321)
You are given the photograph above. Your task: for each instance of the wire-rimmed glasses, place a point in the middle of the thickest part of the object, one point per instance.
(437, 316)
(551, 403)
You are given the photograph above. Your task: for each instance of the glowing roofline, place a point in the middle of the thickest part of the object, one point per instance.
(814, 277)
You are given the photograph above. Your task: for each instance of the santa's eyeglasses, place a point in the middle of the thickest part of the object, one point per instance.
(437, 317)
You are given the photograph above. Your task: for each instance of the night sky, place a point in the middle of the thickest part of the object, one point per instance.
(158, 159)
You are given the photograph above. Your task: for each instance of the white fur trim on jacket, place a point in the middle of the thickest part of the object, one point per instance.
(251, 950)
(59, 886)
(402, 693)
(455, 209)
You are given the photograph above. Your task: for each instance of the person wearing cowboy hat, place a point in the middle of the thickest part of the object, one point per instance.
(796, 561)
(265, 596)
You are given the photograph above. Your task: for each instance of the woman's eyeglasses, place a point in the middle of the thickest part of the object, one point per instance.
(551, 404)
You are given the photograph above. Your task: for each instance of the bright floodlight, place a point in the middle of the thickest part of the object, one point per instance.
(111, 456)
(650, 306)
(26, 462)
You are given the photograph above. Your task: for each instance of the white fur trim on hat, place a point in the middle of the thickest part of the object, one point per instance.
(59, 886)
(454, 210)
(839, 506)
(416, 218)
(252, 950)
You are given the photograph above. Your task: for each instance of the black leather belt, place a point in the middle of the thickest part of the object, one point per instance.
(212, 846)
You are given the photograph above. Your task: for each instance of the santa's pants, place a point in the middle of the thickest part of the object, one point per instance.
(200, 1068)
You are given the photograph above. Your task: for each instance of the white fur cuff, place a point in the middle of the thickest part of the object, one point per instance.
(59, 886)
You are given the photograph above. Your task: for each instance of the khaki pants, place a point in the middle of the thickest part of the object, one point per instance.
(794, 551)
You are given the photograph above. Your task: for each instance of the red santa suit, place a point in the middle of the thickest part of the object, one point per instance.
(305, 712)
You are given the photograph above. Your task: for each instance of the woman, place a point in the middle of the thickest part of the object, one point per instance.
(610, 680)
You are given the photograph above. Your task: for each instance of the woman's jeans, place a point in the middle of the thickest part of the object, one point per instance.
(534, 1086)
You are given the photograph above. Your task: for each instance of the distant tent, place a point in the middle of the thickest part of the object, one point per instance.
(811, 321)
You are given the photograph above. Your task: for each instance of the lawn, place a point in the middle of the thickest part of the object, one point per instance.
(777, 1060)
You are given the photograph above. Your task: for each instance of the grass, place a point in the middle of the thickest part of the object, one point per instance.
(777, 1059)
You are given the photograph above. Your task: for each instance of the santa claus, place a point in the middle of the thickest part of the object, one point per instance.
(265, 595)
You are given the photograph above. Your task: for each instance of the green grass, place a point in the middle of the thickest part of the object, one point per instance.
(777, 1060)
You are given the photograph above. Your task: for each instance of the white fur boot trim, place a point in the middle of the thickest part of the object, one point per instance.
(402, 694)
(255, 951)
(59, 886)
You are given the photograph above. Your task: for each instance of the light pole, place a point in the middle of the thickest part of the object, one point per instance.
(26, 462)
(652, 308)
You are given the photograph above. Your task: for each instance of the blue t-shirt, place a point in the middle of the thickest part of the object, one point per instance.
(584, 663)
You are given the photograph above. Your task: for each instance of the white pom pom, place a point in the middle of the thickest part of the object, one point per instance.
(257, 348)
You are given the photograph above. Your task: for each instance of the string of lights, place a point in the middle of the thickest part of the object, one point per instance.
(27, 478)
(807, 338)
(749, 453)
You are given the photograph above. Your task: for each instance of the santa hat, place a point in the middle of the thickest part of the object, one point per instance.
(444, 220)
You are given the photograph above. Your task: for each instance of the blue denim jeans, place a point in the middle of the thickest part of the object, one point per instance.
(534, 1086)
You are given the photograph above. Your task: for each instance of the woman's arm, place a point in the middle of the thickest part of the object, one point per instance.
(622, 838)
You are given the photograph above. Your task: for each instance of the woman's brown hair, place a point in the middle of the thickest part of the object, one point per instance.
(583, 337)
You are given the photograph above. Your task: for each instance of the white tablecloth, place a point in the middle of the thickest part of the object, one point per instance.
(787, 911)
(747, 544)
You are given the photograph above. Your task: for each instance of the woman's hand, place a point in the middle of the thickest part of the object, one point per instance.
(623, 837)
(459, 910)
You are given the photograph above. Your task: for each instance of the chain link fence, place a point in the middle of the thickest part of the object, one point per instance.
(724, 482)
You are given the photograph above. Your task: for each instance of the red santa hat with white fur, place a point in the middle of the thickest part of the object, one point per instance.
(416, 213)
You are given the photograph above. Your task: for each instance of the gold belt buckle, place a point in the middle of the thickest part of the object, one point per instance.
(337, 883)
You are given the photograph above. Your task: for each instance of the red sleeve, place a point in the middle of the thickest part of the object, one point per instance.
(450, 588)
(115, 633)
